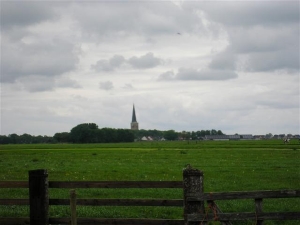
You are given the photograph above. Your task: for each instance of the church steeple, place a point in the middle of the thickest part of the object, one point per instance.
(133, 115)
(134, 124)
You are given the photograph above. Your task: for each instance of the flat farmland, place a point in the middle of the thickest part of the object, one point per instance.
(227, 166)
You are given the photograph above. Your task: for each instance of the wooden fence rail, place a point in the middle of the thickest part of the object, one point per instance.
(195, 200)
(198, 207)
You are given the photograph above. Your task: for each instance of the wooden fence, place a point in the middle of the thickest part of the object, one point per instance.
(193, 203)
(195, 212)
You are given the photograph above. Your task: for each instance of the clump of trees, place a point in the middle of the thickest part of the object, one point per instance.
(82, 133)
(91, 133)
(25, 139)
(173, 135)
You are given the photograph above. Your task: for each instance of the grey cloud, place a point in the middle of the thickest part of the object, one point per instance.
(26, 52)
(108, 65)
(34, 83)
(43, 58)
(106, 85)
(102, 65)
(128, 87)
(141, 18)
(268, 39)
(17, 13)
(195, 74)
(276, 48)
(265, 50)
(145, 61)
(286, 59)
(66, 82)
(37, 83)
(116, 60)
(291, 103)
(251, 13)
(225, 60)
(263, 39)
(15, 35)
(169, 75)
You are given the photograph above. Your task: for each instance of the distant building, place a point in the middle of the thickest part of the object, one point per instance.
(246, 136)
(146, 138)
(217, 137)
(134, 124)
(224, 137)
(258, 137)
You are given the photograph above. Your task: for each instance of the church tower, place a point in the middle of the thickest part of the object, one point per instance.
(134, 124)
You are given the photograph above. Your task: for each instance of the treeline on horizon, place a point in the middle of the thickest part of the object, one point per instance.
(91, 133)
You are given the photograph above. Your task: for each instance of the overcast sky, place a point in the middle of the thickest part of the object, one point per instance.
(185, 65)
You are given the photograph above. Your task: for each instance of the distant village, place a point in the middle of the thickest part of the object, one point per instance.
(250, 137)
(215, 137)
(224, 137)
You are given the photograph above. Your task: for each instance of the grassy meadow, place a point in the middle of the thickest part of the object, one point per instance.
(227, 166)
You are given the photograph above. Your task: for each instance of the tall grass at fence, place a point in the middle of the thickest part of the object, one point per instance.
(227, 166)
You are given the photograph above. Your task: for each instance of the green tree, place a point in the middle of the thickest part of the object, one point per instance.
(213, 132)
(203, 133)
(84, 133)
(100, 135)
(194, 135)
(4, 139)
(63, 137)
(219, 132)
(110, 135)
(170, 135)
(14, 138)
(125, 135)
(25, 139)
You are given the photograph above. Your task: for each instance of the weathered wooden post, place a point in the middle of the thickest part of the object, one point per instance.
(38, 197)
(258, 209)
(73, 207)
(192, 188)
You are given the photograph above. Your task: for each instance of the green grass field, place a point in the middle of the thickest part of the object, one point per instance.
(227, 166)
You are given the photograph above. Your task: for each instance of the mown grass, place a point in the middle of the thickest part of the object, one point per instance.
(227, 166)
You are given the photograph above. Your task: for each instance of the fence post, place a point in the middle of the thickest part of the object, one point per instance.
(192, 187)
(38, 197)
(258, 210)
(73, 207)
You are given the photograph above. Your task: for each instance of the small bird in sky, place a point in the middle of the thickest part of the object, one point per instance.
(179, 33)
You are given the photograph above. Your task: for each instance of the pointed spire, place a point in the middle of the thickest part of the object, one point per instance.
(133, 115)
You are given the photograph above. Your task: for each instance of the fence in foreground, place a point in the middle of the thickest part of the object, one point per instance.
(195, 209)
